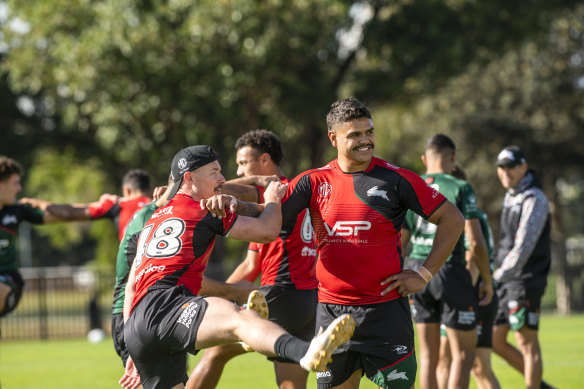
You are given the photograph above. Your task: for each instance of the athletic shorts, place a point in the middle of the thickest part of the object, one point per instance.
(382, 345)
(14, 280)
(292, 309)
(118, 336)
(449, 298)
(485, 319)
(519, 306)
(160, 331)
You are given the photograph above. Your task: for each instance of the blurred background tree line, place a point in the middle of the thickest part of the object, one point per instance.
(91, 89)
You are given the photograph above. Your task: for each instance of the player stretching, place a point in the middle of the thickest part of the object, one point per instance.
(167, 318)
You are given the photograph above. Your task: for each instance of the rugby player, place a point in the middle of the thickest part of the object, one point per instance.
(449, 298)
(358, 203)
(166, 318)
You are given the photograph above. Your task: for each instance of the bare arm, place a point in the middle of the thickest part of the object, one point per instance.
(479, 256)
(266, 227)
(242, 192)
(248, 270)
(450, 225)
(129, 296)
(54, 213)
(237, 291)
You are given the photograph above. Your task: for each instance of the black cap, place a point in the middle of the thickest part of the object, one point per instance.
(511, 156)
(187, 160)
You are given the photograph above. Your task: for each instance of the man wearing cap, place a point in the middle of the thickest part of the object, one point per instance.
(523, 263)
(164, 316)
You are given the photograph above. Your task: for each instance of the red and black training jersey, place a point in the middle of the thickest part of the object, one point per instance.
(357, 219)
(175, 244)
(290, 260)
(121, 211)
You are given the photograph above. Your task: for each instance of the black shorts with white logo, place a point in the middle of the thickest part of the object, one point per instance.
(449, 298)
(15, 282)
(118, 336)
(382, 345)
(519, 306)
(485, 319)
(160, 331)
(292, 309)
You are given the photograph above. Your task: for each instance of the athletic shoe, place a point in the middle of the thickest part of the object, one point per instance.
(256, 302)
(545, 385)
(323, 345)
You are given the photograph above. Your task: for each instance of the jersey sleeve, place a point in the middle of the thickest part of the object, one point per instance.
(261, 190)
(253, 246)
(32, 215)
(102, 209)
(469, 203)
(418, 196)
(297, 197)
(224, 225)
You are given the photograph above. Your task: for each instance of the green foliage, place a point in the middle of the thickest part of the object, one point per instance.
(62, 178)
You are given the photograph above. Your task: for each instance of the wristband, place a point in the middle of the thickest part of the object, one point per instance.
(424, 273)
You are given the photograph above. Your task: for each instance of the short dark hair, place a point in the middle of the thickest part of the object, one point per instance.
(8, 167)
(263, 141)
(440, 143)
(345, 110)
(137, 179)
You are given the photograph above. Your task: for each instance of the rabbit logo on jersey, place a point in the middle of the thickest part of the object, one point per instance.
(186, 317)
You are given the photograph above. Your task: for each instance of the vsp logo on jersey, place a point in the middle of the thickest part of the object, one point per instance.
(348, 228)
(186, 317)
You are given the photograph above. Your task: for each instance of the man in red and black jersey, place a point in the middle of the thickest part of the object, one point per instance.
(136, 194)
(358, 203)
(165, 317)
(287, 266)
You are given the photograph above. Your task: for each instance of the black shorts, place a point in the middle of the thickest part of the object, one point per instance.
(160, 331)
(449, 298)
(382, 345)
(485, 319)
(14, 280)
(118, 336)
(519, 306)
(292, 309)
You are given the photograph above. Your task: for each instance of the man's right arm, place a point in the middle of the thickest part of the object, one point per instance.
(477, 249)
(247, 270)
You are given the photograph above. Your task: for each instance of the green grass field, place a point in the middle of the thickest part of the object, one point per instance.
(76, 363)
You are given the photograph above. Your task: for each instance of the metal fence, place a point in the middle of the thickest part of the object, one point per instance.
(66, 302)
(60, 302)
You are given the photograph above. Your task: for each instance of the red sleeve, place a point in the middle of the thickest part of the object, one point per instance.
(228, 221)
(100, 209)
(424, 199)
(253, 246)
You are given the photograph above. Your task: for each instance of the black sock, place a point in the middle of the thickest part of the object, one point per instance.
(544, 385)
(291, 347)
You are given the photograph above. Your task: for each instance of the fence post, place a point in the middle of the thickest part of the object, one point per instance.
(43, 314)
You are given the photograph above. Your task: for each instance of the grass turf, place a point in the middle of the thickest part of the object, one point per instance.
(76, 363)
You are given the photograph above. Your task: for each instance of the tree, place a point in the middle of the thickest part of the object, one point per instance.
(532, 97)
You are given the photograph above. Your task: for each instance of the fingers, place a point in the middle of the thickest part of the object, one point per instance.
(158, 192)
(216, 205)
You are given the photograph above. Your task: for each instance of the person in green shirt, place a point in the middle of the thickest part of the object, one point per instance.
(448, 298)
(12, 213)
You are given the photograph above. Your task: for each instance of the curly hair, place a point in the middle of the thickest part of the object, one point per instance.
(263, 141)
(346, 110)
(8, 167)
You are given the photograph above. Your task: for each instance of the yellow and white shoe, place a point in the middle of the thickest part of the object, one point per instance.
(323, 345)
(256, 302)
